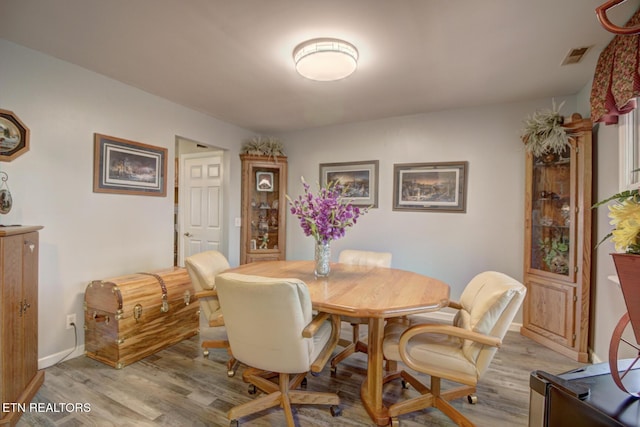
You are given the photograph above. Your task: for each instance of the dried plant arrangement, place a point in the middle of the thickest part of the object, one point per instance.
(544, 132)
(259, 146)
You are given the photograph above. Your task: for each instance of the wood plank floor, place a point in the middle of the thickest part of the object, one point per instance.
(179, 387)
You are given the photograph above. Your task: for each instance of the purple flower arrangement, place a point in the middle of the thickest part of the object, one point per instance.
(327, 215)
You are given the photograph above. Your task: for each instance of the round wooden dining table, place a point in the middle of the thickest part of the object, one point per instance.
(375, 293)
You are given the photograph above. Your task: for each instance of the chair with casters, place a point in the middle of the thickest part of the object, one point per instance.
(356, 257)
(459, 352)
(203, 268)
(272, 330)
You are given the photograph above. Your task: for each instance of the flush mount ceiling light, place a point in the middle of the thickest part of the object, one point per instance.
(325, 59)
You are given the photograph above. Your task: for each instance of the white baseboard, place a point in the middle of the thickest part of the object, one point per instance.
(52, 359)
(445, 316)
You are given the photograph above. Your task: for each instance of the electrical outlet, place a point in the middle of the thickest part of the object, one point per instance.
(71, 318)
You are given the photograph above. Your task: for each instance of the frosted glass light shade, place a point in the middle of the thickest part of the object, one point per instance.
(325, 59)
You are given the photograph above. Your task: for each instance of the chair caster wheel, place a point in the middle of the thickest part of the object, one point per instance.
(336, 411)
(205, 353)
(395, 422)
(472, 398)
(303, 384)
(252, 389)
(405, 385)
(231, 373)
(334, 371)
(234, 423)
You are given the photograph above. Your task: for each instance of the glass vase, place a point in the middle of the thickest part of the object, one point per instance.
(322, 258)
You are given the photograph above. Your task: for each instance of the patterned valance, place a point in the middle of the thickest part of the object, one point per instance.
(616, 81)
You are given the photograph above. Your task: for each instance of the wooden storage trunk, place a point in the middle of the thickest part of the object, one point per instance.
(130, 317)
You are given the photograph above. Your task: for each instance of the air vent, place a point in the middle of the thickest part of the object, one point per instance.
(575, 55)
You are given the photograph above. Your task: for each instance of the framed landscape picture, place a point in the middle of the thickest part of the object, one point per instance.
(430, 186)
(127, 167)
(359, 178)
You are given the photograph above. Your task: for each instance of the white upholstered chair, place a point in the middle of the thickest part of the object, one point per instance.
(271, 329)
(203, 268)
(356, 257)
(460, 352)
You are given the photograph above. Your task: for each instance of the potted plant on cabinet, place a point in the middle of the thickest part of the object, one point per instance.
(544, 132)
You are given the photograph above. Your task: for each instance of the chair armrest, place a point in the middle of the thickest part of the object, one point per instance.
(206, 294)
(313, 326)
(439, 329)
(217, 321)
(455, 304)
(327, 351)
(450, 330)
(211, 293)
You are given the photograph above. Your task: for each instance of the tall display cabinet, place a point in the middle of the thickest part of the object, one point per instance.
(557, 255)
(264, 206)
(19, 375)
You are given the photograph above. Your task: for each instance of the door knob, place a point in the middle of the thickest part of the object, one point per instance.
(187, 234)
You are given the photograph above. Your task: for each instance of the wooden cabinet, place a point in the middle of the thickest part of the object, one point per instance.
(557, 255)
(19, 375)
(264, 206)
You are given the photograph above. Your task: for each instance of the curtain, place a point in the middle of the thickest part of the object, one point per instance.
(616, 81)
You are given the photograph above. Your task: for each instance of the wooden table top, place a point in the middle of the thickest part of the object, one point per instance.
(359, 291)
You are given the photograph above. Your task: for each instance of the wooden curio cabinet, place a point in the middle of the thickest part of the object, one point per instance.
(19, 375)
(264, 206)
(557, 253)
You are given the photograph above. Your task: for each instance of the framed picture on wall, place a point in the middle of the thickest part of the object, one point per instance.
(128, 167)
(359, 178)
(430, 187)
(14, 136)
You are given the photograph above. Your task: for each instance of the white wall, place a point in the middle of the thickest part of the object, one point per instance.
(607, 303)
(89, 235)
(450, 246)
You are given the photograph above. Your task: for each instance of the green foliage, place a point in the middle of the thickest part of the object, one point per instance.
(552, 249)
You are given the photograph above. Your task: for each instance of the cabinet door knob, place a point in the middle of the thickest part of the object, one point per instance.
(30, 245)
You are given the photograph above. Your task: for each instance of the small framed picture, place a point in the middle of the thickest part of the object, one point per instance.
(359, 178)
(264, 181)
(430, 187)
(121, 166)
(14, 136)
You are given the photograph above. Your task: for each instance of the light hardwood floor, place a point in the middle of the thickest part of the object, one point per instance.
(179, 387)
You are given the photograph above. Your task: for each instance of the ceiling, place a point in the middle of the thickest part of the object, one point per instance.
(233, 59)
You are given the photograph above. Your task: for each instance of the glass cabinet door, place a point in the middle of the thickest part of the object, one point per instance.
(264, 208)
(552, 213)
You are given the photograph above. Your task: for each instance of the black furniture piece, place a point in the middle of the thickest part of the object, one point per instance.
(585, 397)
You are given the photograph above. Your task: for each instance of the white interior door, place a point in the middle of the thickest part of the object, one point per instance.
(200, 203)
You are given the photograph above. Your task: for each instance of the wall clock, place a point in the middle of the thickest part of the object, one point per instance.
(14, 136)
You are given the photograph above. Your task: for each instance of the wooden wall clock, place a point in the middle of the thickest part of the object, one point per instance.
(14, 136)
